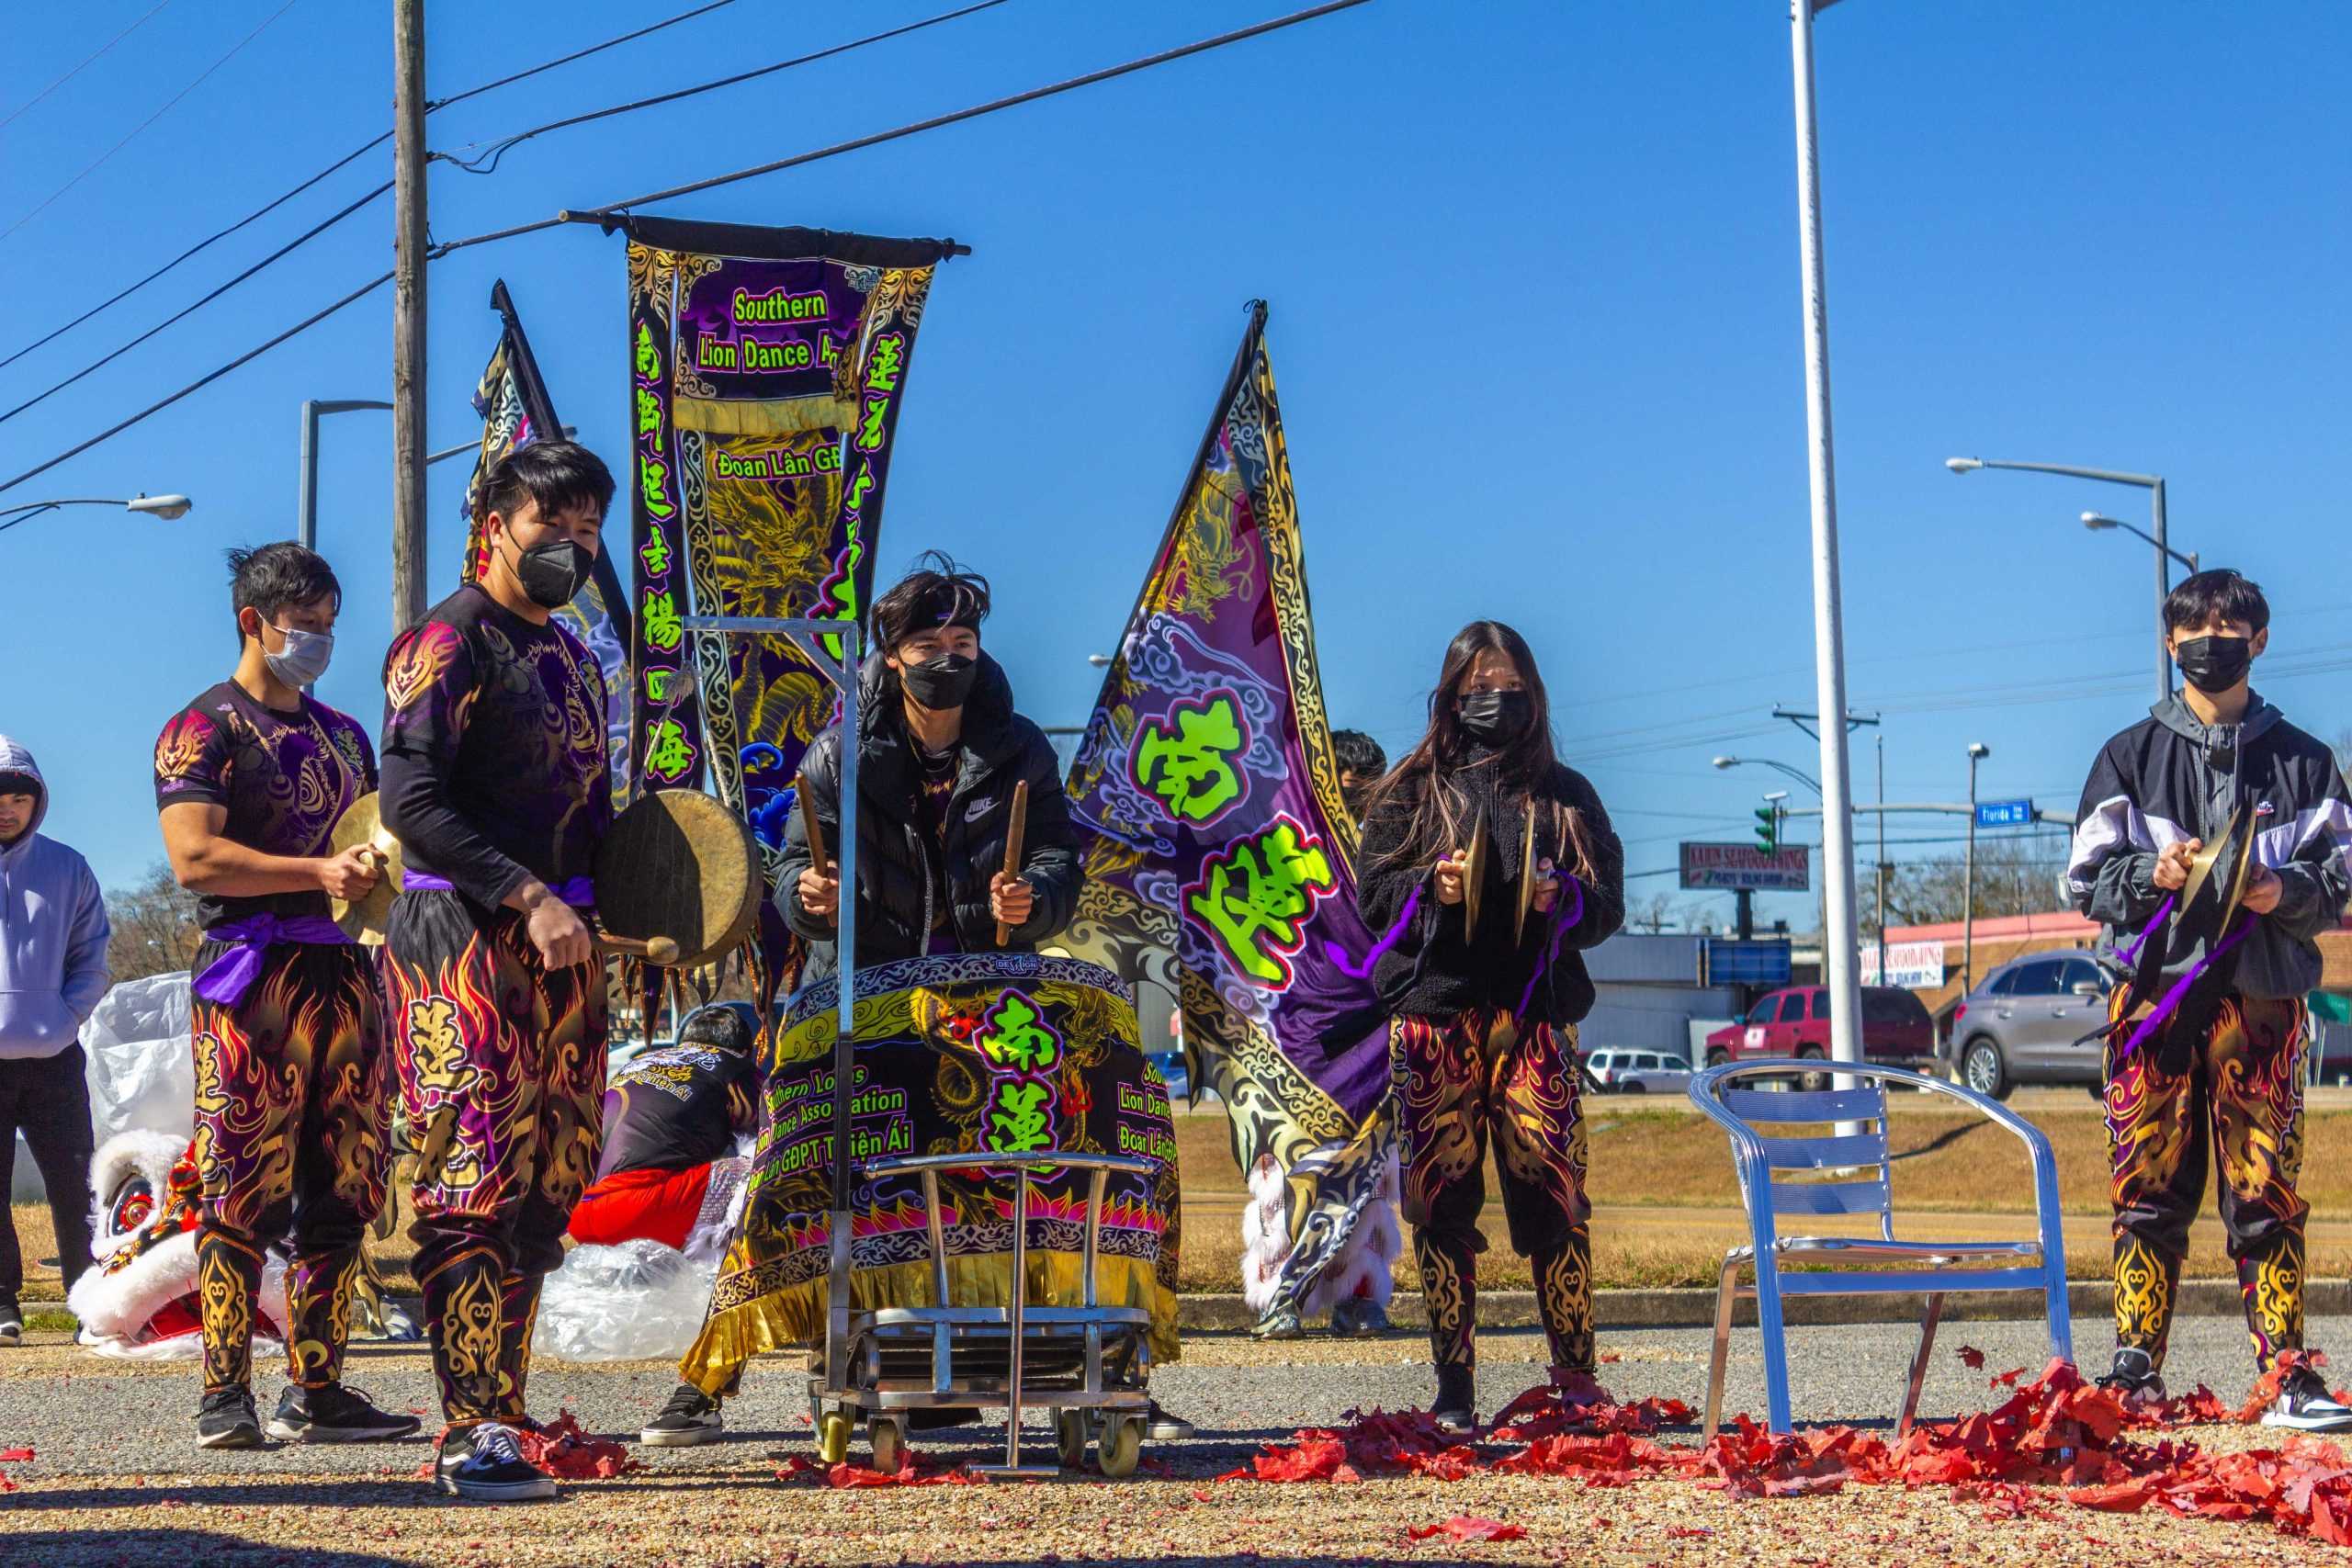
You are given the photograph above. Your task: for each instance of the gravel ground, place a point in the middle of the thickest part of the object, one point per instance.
(115, 1479)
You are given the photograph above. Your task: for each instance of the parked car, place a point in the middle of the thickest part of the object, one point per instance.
(2030, 1022)
(1794, 1022)
(1614, 1068)
(1673, 1077)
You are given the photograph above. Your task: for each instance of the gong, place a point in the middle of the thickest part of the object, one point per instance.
(678, 863)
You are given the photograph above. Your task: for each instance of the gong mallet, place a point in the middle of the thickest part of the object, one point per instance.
(1013, 835)
(658, 951)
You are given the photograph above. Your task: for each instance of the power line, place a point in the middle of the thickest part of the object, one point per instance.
(175, 98)
(576, 54)
(600, 214)
(295, 243)
(498, 147)
(93, 60)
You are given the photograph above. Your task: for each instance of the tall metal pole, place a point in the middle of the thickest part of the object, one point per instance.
(306, 507)
(407, 315)
(1839, 936)
(2163, 591)
(1967, 889)
(1882, 857)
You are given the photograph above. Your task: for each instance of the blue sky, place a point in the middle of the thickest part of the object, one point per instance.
(1534, 276)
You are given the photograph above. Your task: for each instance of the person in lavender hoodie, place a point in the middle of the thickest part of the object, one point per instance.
(52, 971)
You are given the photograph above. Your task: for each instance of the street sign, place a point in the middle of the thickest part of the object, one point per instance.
(1917, 965)
(2004, 813)
(1758, 961)
(1734, 867)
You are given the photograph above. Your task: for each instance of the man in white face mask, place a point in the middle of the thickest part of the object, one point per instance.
(292, 1120)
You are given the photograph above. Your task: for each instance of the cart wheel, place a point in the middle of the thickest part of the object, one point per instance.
(832, 1436)
(1069, 1437)
(888, 1441)
(1120, 1446)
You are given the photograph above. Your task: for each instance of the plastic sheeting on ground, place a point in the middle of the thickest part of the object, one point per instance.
(140, 1071)
(636, 1301)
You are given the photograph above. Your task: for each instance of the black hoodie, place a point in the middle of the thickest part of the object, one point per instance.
(898, 858)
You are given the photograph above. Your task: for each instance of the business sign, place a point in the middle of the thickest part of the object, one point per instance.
(1736, 867)
(2005, 813)
(1918, 966)
(1744, 961)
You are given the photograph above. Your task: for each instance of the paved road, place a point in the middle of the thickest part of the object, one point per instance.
(89, 1417)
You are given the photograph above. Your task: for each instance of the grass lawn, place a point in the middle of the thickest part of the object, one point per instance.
(1665, 1206)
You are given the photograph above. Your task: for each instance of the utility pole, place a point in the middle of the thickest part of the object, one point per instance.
(1977, 752)
(408, 314)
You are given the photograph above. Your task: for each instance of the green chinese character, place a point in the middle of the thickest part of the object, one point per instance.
(1255, 896)
(1017, 1038)
(660, 614)
(653, 477)
(648, 360)
(859, 486)
(1021, 1117)
(869, 431)
(670, 756)
(889, 358)
(655, 553)
(657, 684)
(1189, 763)
(649, 410)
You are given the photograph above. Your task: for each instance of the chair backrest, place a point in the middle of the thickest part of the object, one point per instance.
(1822, 1173)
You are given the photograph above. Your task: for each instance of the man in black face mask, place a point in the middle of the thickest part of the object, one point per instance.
(2204, 1055)
(496, 785)
(940, 752)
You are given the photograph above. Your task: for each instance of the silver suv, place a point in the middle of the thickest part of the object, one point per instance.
(2026, 1023)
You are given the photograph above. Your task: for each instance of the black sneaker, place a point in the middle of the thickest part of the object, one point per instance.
(492, 1468)
(334, 1413)
(691, 1418)
(11, 1323)
(227, 1420)
(1455, 1410)
(1162, 1427)
(2133, 1375)
(2305, 1406)
(1359, 1317)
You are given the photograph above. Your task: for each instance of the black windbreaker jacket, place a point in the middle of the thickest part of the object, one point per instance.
(2170, 778)
(895, 855)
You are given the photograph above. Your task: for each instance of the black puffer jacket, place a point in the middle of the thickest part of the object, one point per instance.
(895, 855)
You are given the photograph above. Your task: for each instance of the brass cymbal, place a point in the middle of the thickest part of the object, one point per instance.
(1474, 872)
(362, 824)
(2201, 864)
(2238, 882)
(1526, 875)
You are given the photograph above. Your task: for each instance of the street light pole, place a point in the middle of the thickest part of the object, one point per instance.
(1977, 752)
(408, 314)
(306, 512)
(170, 507)
(1839, 938)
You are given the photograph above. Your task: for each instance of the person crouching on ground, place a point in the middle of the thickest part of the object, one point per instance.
(1484, 1041)
(668, 1115)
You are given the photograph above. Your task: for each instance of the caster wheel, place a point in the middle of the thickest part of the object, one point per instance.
(1120, 1446)
(832, 1436)
(1070, 1432)
(888, 1441)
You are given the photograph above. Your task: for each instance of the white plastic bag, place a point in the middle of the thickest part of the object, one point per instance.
(636, 1301)
(141, 1072)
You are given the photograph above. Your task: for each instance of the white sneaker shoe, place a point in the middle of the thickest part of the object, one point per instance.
(2305, 1406)
(492, 1470)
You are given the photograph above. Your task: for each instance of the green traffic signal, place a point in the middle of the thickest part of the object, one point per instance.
(1768, 829)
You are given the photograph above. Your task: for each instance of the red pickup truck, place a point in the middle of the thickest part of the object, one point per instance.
(1896, 1030)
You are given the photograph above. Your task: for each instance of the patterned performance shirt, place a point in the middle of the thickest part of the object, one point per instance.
(494, 767)
(283, 779)
(675, 1107)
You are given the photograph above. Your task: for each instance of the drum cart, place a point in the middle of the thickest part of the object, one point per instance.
(1087, 1363)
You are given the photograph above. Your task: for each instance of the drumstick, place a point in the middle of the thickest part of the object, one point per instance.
(811, 827)
(658, 950)
(1013, 834)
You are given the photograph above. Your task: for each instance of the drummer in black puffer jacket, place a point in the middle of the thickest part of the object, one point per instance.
(940, 751)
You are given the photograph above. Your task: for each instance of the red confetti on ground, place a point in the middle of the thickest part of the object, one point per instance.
(914, 1472)
(1972, 1358)
(12, 1456)
(2057, 1436)
(567, 1452)
(1469, 1526)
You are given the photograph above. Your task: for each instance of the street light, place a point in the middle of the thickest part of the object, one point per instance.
(170, 507)
(2096, 522)
(2155, 485)
(1977, 752)
(306, 506)
(1100, 660)
(1804, 779)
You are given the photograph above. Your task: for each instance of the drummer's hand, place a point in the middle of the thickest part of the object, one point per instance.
(1011, 900)
(1547, 887)
(556, 929)
(2172, 864)
(350, 875)
(820, 895)
(2263, 890)
(1450, 874)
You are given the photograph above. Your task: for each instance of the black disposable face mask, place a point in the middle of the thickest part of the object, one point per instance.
(2215, 664)
(551, 572)
(941, 683)
(1496, 718)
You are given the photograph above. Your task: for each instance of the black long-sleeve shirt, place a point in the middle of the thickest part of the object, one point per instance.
(1435, 969)
(493, 750)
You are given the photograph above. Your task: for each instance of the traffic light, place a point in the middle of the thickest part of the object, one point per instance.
(1768, 829)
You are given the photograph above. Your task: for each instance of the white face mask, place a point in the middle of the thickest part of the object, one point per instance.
(304, 658)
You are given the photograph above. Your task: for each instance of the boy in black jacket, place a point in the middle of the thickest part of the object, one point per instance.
(2204, 1051)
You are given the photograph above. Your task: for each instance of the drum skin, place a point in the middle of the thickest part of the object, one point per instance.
(678, 863)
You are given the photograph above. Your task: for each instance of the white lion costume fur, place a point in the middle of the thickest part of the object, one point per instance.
(136, 1300)
(1364, 1267)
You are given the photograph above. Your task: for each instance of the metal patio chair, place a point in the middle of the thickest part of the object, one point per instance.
(1848, 1173)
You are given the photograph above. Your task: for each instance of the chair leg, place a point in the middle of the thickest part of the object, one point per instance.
(1773, 1329)
(2058, 1307)
(1919, 1366)
(1726, 1293)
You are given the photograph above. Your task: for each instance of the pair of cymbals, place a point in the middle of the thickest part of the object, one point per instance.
(2217, 875)
(362, 827)
(1474, 874)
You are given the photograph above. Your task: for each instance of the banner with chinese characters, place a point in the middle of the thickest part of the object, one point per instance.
(767, 367)
(516, 410)
(1221, 854)
(1004, 1052)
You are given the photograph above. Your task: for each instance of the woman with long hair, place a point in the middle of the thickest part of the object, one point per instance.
(1484, 1038)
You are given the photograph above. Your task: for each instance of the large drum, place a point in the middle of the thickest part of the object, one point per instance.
(1008, 1051)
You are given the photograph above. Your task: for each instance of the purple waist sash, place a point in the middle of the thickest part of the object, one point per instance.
(226, 979)
(580, 892)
